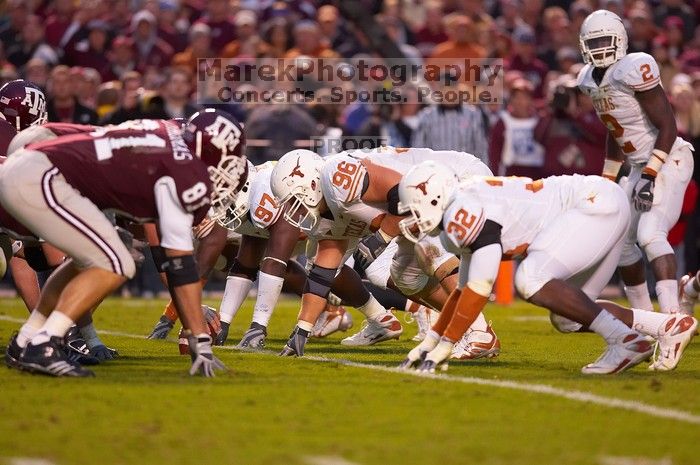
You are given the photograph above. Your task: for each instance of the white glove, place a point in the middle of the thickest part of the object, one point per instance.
(203, 359)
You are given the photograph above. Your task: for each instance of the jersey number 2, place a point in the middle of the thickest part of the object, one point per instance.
(617, 132)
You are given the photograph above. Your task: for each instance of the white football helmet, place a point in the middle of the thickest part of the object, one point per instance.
(297, 178)
(236, 213)
(603, 39)
(424, 191)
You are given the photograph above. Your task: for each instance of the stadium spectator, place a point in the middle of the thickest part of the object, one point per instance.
(450, 125)
(668, 66)
(307, 42)
(129, 106)
(557, 36)
(58, 21)
(513, 150)
(679, 9)
(272, 129)
(687, 110)
(462, 42)
(248, 44)
(90, 52)
(399, 130)
(172, 29)
(524, 59)
(61, 105)
(31, 44)
(570, 132)
(200, 47)
(37, 71)
(107, 98)
(641, 31)
(433, 30)
(510, 18)
(222, 27)
(151, 51)
(277, 37)
(11, 31)
(392, 27)
(121, 58)
(336, 33)
(87, 81)
(175, 96)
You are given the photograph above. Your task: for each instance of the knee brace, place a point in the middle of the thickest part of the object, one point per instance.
(237, 269)
(319, 281)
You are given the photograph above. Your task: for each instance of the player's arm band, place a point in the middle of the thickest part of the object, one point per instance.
(490, 234)
(392, 200)
(319, 281)
(159, 256)
(656, 161)
(611, 168)
(238, 269)
(180, 271)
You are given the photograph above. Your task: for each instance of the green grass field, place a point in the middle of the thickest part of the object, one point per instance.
(529, 406)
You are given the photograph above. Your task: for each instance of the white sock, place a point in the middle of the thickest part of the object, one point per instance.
(690, 289)
(236, 291)
(305, 325)
(90, 335)
(638, 296)
(609, 327)
(372, 309)
(269, 289)
(30, 327)
(649, 323)
(480, 324)
(57, 324)
(667, 293)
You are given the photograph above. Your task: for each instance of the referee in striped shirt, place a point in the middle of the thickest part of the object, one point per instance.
(452, 126)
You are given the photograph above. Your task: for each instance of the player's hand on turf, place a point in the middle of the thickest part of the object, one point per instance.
(102, 353)
(369, 249)
(203, 360)
(644, 194)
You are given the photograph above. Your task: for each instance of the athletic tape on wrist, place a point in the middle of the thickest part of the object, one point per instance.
(656, 161)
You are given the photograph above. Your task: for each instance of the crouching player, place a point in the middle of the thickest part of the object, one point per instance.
(572, 228)
(148, 171)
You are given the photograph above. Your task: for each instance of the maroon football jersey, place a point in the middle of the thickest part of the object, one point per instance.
(117, 167)
(67, 129)
(7, 133)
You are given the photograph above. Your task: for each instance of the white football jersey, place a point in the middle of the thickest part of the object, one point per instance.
(343, 175)
(521, 206)
(617, 107)
(263, 210)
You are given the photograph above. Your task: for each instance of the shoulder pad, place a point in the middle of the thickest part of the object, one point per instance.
(638, 71)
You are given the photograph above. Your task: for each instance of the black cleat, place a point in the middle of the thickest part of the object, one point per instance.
(49, 358)
(162, 328)
(220, 338)
(295, 345)
(254, 338)
(13, 352)
(76, 348)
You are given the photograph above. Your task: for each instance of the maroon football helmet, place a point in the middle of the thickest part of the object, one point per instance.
(217, 139)
(22, 104)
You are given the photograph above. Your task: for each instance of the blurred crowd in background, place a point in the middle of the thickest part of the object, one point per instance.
(108, 61)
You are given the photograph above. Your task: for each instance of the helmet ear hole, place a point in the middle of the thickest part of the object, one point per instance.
(433, 203)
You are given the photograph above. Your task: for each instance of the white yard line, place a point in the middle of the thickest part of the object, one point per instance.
(327, 460)
(613, 460)
(578, 396)
(28, 461)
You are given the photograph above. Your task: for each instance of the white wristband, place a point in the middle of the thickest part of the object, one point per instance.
(656, 161)
(611, 168)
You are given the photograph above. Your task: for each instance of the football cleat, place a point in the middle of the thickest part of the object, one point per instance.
(162, 328)
(13, 352)
(685, 301)
(477, 344)
(49, 358)
(77, 349)
(101, 352)
(424, 318)
(254, 338)
(677, 333)
(295, 345)
(374, 331)
(183, 341)
(332, 320)
(222, 336)
(628, 351)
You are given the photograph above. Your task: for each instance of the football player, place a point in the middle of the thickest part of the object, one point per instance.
(572, 230)
(146, 170)
(627, 95)
(359, 191)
